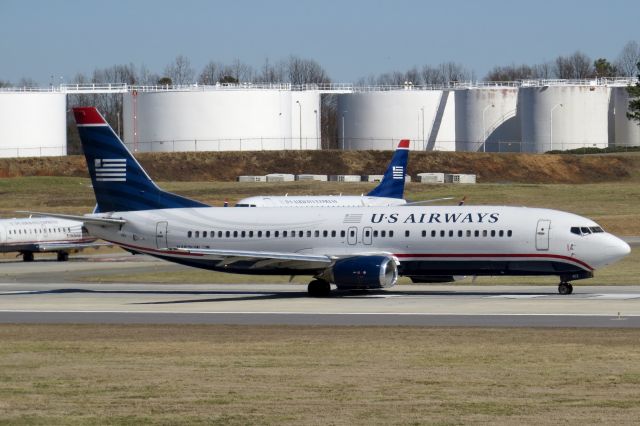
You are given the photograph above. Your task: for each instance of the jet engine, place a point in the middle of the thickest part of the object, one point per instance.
(365, 272)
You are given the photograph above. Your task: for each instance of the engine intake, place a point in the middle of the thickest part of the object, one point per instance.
(365, 272)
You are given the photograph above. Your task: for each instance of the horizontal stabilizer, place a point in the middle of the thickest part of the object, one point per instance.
(83, 219)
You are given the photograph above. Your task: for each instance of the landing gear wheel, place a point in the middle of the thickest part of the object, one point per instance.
(565, 288)
(319, 288)
(63, 256)
(27, 256)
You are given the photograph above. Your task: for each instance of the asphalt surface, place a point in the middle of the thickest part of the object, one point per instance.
(54, 292)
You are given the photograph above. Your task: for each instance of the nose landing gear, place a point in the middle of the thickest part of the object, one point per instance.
(565, 288)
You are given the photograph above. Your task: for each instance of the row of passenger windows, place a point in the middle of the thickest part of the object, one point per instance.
(352, 233)
(37, 231)
(278, 234)
(584, 230)
(469, 233)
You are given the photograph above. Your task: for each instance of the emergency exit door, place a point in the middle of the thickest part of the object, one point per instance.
(542, 234)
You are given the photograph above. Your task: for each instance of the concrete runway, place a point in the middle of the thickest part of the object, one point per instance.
(54, 292)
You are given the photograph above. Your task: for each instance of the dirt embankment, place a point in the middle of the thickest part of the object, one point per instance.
(226, 166)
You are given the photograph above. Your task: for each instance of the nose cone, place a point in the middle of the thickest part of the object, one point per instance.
(616, 249)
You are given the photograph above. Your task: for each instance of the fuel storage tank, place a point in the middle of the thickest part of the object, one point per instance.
(32, 124)
(222, 119)
(380, 119)
(486, 119)
(627, 132)
(562, 117)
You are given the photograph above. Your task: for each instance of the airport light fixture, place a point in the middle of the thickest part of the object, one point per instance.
(300, 115)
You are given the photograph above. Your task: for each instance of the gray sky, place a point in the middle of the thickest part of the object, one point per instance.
(350, 39)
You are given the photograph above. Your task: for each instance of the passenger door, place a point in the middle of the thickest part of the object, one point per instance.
(161, 235)
(542, 234)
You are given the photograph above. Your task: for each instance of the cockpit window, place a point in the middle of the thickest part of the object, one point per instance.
(596, 229)
(585, 230)
(575, 230)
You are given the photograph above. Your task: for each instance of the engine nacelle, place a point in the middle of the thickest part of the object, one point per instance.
(365, 272)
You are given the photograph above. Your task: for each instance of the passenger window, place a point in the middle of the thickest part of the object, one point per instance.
(375, 233)
(316, 233)
(352, 233)
(367, 233)
(204, 234)
(484, 233)
(333, 233)
(276, 234)
(442, 233)
(250, 234)
(390, 234)
(325, 233)
(476, 233)
(308, 234)
(243, 234)
(406, 233)
(267, 234)
(459, 233)
(284, 234)
(342, 234)
(383, 234)
(259, 234)
(451, 233)
(189, 234)
(300, 234)
(433, 233)
(493, 233)
(219, 234)
(235, 234)
(509, 233)
(501, 233)
(424, 233)
(197, 234)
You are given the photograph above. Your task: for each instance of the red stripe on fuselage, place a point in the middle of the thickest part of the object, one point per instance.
(400, 256)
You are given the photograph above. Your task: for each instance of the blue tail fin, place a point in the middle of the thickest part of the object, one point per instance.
(392, 184)
(119, 182)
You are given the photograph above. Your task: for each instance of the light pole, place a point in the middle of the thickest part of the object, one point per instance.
(343, 113)
(315, 112)
(422, 113)
(300, 115)
(551, 126)
(484, 129)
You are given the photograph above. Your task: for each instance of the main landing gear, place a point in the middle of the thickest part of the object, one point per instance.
(319, 288)
(63, 256)
(27, 256)
(565, 288)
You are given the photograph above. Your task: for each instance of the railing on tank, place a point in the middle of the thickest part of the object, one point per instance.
(40, 151)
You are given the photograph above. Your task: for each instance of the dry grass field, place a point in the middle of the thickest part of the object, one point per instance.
(86, 374)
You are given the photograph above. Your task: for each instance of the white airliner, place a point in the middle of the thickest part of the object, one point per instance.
(389, 192)
(350, 247)
(43, 234)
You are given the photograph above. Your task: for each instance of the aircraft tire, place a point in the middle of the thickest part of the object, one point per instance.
(319, 288)
(27, 256)
(565, 288)
(63, 256)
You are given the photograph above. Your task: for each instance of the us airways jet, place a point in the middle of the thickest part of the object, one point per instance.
(27, 236)
(349, 247)
(389, 192)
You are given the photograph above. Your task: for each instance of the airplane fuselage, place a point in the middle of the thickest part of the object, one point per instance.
(427, 241)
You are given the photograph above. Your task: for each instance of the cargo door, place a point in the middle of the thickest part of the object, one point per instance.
(542, 234)
(161, 235)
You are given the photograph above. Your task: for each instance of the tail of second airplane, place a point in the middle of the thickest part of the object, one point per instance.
(119, 182)
(392, 184)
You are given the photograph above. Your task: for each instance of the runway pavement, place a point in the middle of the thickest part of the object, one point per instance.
(41, 292)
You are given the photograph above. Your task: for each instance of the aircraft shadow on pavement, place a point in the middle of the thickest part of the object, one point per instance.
(243, 295)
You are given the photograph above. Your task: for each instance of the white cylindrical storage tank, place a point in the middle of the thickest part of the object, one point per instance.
(221, 119)
(627, 132)
(380, 119)
(33, 124)
(563, 117)
(486, 119)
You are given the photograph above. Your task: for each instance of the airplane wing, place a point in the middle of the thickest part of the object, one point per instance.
(68, 246)
(261, 259)
(100, 220)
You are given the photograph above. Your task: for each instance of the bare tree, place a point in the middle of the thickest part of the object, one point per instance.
(211, 73)
(4, 83)
(306, 71)
(452, 71)
(431, 76)
(510, 73)
(576, 66)
(241, 71)
(543, 70)
(27, 82)
(147, 77)
(271, 73)
(628, 58)
(180, 71)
